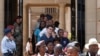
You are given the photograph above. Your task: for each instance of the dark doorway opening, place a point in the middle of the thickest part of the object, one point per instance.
(12, 9)
(80, 31)
(81, 22)
(10, 12)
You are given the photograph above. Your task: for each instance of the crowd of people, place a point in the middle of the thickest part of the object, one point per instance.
(47, 40)
(11, 44)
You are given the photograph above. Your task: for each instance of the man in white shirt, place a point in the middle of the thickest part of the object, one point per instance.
(8, 45)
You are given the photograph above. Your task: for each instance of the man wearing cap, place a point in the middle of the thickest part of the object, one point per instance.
(8, 45)
(92, 47)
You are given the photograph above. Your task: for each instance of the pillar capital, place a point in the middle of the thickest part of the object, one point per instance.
(61, 15)
(61, 1)
(62, 4)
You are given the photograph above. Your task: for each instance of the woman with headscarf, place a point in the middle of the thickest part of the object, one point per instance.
(41, 49)
(72, 51)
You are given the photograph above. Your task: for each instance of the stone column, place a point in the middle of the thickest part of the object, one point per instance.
(68, 19)
(98, 20)
(25, 26)
(90, 19)
(1, 22)
(62, 15)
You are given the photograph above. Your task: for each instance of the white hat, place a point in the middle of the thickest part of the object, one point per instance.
(91, 42)
(72, 43)
(39, 43)
(58, 45)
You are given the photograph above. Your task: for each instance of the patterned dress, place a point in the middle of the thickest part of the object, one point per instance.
(18, 38)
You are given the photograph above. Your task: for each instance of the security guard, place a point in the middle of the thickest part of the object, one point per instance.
(8, 45)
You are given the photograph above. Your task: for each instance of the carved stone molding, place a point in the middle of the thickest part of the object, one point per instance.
(63, 1)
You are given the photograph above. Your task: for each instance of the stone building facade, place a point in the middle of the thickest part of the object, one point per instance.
(92, 16)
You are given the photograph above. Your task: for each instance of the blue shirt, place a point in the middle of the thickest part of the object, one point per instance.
(7, 45)
(46, 39)
(64, 41)
(36, 33)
